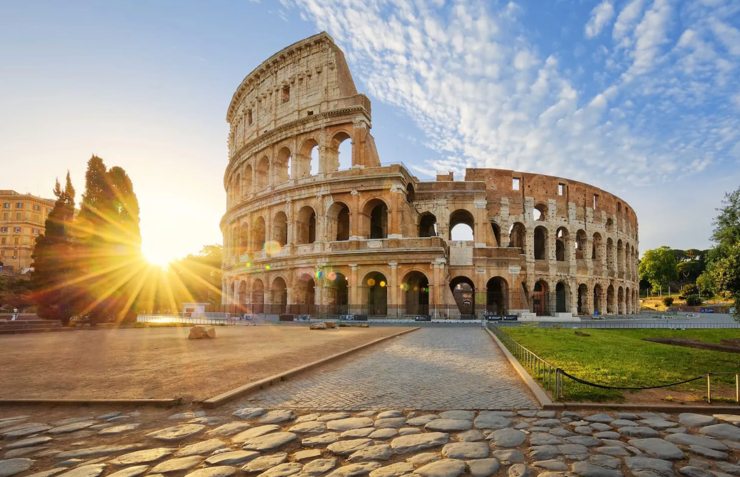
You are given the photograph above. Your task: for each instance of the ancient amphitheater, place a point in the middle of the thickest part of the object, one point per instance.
(310, 230)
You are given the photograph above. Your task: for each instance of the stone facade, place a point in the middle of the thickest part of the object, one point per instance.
(22, 219)
(309, 231)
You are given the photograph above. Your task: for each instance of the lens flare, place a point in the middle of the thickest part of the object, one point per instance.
(272, 247)
(371, 282)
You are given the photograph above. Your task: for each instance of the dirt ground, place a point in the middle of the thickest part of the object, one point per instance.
(161, 362)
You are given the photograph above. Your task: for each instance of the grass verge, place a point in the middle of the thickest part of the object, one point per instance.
(622, 358)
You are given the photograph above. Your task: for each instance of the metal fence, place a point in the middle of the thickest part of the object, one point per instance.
(564, 386)
(670, 323)
(207, 319)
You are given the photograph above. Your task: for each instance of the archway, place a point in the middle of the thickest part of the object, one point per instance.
(497, 296)
(598, 291)
(279, 298)
(541, 298)
(306, 226)
(247, 179)
(627, 301)
(562, 253)
(582, 299)
(596, 248)
(496, 229)
(338, 223)
(428, 225)
(463, 290)
(258, 234)
(377, 293)
(281, 169)
(305, 295)
(462, 225)
(237, 188)
(517, 236)
(561, 297)
(620, 300)
(539, 212)
(241, 297)
(243, 239)
(540, 243)
(580, 244)
(610, 300)
(377, 212)
(415, 286)
(337, 293)
(263, 173)
(307, 162)
(258, 296)
(341, 145)
(280, 229)
(610, 255)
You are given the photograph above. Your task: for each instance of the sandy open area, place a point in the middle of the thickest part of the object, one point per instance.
(161, 362)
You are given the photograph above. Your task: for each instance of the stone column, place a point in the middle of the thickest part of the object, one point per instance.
(393, 288)
(354, 287)
(394, 221)
(573, 289)
(355, 217)
(479, 232)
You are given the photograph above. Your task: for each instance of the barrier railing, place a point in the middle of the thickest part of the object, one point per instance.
(564, 386)
(181, 319)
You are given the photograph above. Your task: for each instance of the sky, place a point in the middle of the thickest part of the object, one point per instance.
(638, 97)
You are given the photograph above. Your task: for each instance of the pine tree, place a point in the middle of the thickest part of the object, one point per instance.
(53, 276)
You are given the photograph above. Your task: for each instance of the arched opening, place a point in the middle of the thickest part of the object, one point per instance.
(518, 236)
(610, 255)
(561, 297)
(541, 298)
(305, 295)
(609, 225)
(539, 212)
(307, 162)
(241, 297)
(263, 173)
(282, 165)
(611, 307)
(247, 180)
(279, 296)
(258, 296)
(410, 194)
(463, 290)
(341, 145)
(596, 248)
(237, 188)
(377, 293)
(540, 243)
(306, 226)
(428, 225)
(582, 299)
(627, 301)
(337, 293)
(338, 223)
(243, 239)
(620, 256)
(561, 242)
(462, 225)
(280, 229)
(580, 244)
(620, 301)
(377, 214)
(415, 286)
(258, 234)
(598, 291)
(496, 229)
(497, 296)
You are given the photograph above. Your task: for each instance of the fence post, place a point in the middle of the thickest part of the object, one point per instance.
(557, 384)
(737, 388)
(709, 388)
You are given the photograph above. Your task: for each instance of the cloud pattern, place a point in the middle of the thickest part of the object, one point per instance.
(651, 95)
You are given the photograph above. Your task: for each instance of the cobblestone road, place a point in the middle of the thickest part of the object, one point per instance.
(432, 368)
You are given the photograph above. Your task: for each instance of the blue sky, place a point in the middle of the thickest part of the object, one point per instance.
(639, 97)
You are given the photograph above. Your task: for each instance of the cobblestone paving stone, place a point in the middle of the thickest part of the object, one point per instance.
(547, 445)
(431, 368)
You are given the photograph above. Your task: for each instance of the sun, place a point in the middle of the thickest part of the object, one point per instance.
(158, 258)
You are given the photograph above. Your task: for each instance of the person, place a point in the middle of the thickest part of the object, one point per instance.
(15, 314)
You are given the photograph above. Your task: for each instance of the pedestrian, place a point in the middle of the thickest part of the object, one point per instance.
(15, 314)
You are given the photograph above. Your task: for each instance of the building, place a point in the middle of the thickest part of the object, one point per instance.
(22, 219)
(309, 231)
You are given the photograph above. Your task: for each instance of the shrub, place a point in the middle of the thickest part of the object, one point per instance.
(689, 289)
(668, 301)
(693, 300)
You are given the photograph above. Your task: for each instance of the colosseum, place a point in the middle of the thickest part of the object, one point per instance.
(316, 225)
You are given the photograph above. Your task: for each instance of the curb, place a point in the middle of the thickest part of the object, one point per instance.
(539, 393)
(669, 408)
(97, 402)
(262, 383)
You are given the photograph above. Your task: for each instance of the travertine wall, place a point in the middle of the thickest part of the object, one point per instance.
(308, 231)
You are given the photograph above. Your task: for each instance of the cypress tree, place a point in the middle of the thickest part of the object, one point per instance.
(53, 276)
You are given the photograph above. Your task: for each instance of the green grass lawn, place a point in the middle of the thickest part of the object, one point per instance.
(621, 358)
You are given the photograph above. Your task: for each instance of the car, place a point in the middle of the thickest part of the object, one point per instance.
(422, 318)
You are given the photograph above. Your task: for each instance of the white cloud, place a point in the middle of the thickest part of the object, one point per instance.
(485, 95)
(600, 16)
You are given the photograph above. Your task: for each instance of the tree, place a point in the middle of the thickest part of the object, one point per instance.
(108, 244)
(53, 283)
(724, 265)
(658, 267)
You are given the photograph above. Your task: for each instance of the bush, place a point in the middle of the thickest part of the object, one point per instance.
(688, 289)
(668, 301)
(693, 300)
